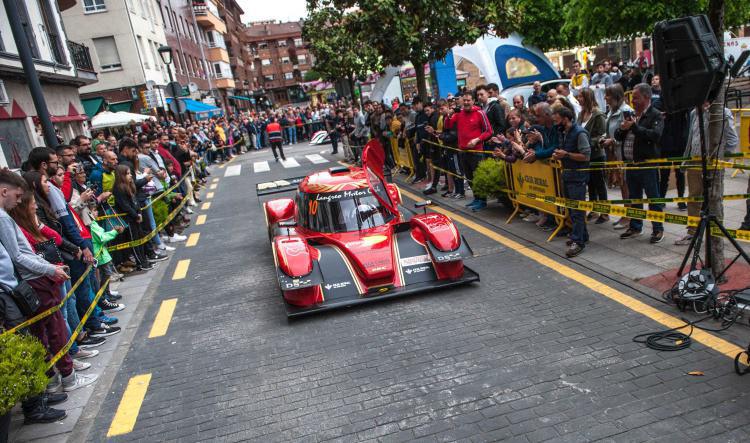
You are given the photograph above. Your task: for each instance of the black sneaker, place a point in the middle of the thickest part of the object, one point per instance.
(91, 342)
(429, 191)
(106, 305)
(104, 330)
(656, 237)
(158, 257)
(43, 414)
(114, 297)
(682, 206)
(145, 267)
(574, 249)
(53, 399)
(630, 233)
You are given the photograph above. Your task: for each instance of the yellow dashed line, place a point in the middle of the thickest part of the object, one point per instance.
(181, 270)
(130, 405)
(213, 186)
(210, 195)
(206, 206)
(707, 339)
(193, 239)
(215, 180)
(163, 317)
(200, 220)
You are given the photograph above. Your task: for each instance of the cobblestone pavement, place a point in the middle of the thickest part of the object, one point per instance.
(527, 354)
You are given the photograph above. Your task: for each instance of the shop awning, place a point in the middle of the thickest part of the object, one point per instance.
(92, 106)
(201, 110)
(239, 97)
(120, 107)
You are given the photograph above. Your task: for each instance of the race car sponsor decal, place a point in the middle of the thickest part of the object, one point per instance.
(297, 283)
(417, 270)
(343, 195)
(337, 285)
(417, 260)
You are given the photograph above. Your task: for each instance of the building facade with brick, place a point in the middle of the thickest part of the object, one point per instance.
(279, 60)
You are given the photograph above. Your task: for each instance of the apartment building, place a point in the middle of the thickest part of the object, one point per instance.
(125, 36)
(62, 66)
(231, 13)
(213, 29)
(279, 60)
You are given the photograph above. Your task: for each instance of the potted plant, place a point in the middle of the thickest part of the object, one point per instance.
(490, 181)
(22, 373)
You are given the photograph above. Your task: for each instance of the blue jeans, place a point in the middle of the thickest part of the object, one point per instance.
(575, 189)
(258, 141)
(69, 313)
(152, 223)
(292, 135)
(640, 181)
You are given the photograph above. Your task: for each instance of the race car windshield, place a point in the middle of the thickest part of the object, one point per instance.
(343, 211)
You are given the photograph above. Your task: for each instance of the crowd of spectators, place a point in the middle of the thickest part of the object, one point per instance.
(89, 212)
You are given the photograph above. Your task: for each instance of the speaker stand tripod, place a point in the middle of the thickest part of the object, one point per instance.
(707, 218)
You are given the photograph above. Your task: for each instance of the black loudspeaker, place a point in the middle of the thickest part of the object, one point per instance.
(689, 62)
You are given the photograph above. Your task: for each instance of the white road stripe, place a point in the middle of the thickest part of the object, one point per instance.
(233, 170)
(289, 163)
(316, 158)
(261, 167)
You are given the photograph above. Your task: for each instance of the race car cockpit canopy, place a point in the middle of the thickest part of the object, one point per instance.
(342, 211)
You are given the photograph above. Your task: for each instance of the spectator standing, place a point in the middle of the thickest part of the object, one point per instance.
(601, 77)
(473, 129)
(729, 142)
(563, 89)
(578, 79)
(640, 135)
(615, 97)
(574, 153)
(593, 121)
(537, 96)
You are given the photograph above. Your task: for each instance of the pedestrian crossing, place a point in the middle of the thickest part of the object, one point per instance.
(233, 170)
(290, 163)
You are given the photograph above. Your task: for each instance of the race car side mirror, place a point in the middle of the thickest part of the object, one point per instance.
(423, 204)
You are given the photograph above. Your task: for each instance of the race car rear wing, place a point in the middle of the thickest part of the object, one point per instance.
(278, 186)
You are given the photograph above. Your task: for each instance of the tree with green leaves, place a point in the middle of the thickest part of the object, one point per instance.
(418, 31)
(340, 53)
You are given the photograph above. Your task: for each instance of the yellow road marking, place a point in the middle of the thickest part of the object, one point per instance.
(205, 206)
(200, 220)
(163, 317)
(221, 166)
(215, 180)
(212, 186)
(707, 339)
(130, 405)
(181, 270)
(193, 239)
(210, 195)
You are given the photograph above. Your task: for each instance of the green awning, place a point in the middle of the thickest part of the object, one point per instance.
(239, 97)
(92, 106)
(122, 106)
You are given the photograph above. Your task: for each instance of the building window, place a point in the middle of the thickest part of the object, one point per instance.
(281, 43)
(298, 42)
(217, 70)
(54, 37)
(106, 50)
(90, 6)
(4, 100)
(144, 54)
(288, 75)
(266, 62)
(263, 45)
(268, 78)
(301, 59)
(284, 60)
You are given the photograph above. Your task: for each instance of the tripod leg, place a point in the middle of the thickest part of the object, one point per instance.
(694, 248)
(734, 243)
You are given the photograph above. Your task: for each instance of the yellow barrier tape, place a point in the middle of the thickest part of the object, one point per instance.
(74, 333)
(152, 234)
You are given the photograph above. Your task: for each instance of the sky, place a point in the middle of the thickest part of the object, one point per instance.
(284, 10)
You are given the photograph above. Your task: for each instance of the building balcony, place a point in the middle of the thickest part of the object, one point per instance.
(81, 59)
(224, 83)
(207, 19)
(217, 55)
(237, 61)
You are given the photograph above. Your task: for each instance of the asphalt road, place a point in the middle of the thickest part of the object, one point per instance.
(528, 354)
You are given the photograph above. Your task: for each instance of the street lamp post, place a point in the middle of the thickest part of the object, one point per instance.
(165, 52)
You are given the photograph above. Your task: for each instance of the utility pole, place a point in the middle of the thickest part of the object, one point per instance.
(27, 61)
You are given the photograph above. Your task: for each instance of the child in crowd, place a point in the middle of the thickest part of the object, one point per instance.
(100, 238)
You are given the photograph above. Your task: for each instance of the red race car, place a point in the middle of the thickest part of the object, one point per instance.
(346, 239)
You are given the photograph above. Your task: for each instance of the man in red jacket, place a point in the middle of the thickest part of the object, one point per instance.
(473, 130)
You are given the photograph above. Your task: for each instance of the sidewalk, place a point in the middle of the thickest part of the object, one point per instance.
(633, 261)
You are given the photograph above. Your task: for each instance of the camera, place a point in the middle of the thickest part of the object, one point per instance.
(457, 109)
(628, 114)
